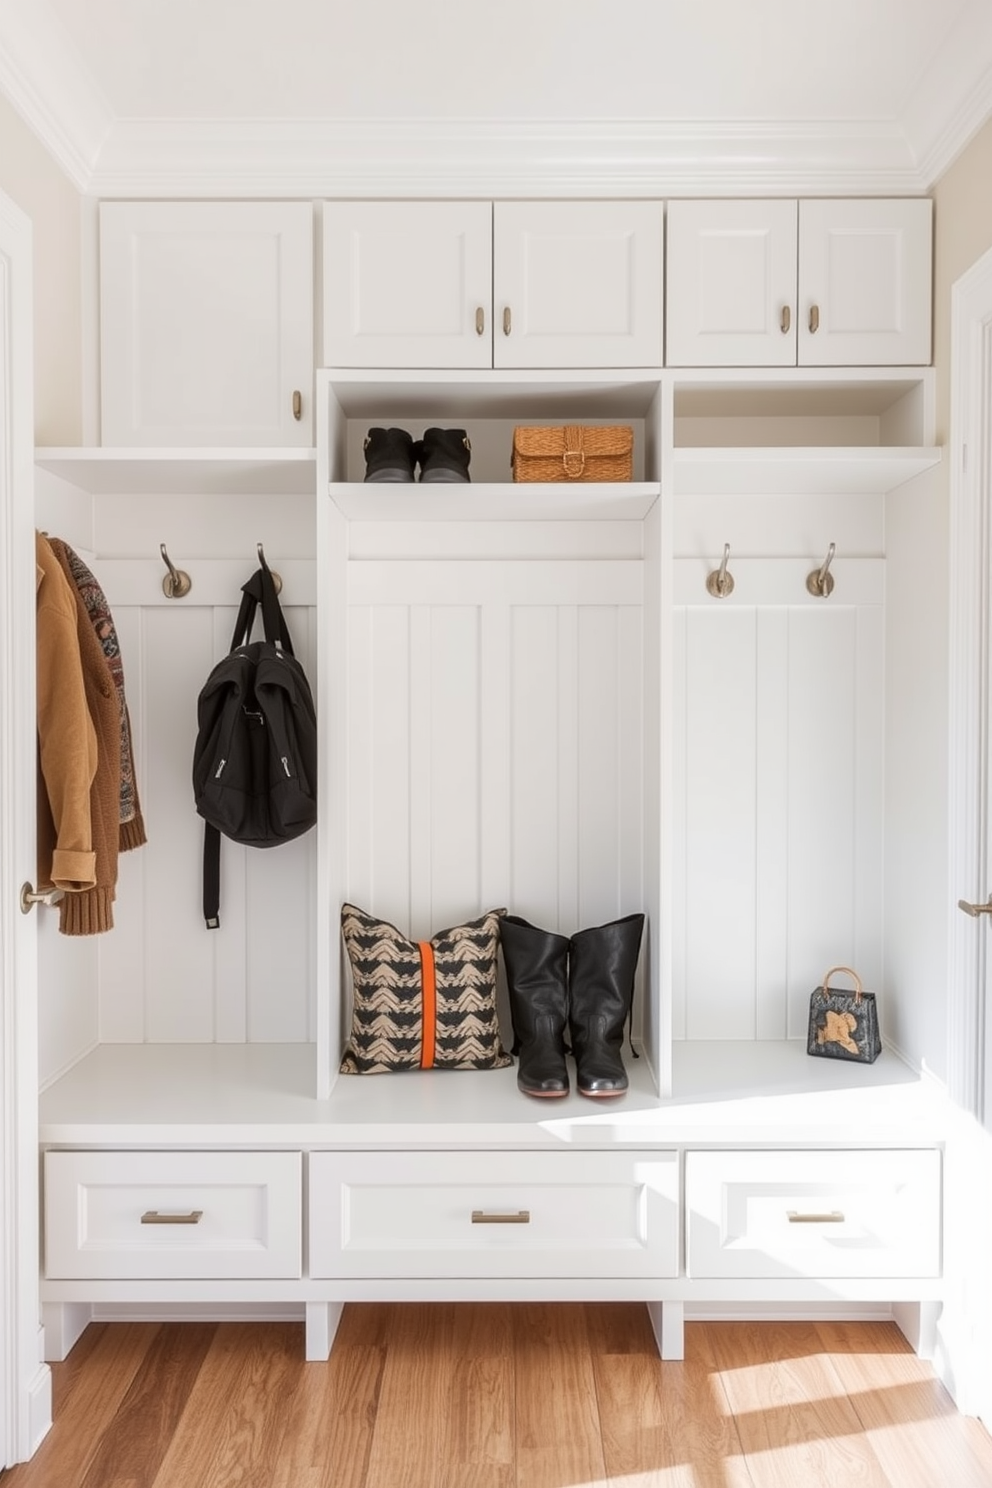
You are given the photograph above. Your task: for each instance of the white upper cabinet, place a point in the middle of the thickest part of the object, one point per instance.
(819, 283)
(206, 323)
(408, 284)
(864, 282)
(578, 284)
(510, 285)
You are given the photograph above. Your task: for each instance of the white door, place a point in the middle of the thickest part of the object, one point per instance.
(578, 284)
(206, 323)
(864, 282)
(407, 284)
(731, 274)
(968, 1223)
(25, 1393)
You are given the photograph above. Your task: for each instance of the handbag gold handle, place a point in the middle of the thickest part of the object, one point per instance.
(848, 971)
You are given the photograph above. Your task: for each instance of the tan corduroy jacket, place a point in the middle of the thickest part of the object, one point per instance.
(67, 748)
(79, 752)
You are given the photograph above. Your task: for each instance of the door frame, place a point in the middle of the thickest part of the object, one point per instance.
(25, 1382)
(967, 1320)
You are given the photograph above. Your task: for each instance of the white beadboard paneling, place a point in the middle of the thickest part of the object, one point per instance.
(678, 930)
(279, 938)
(495, 732)
(778, 819)
(539, 775)
(419, 765)
(122, 961)
(823, 750)
(163, 976)
(720, 824)
(771, 822)
(178, 951)
(455, 784)
(569, 738)
(495, 750)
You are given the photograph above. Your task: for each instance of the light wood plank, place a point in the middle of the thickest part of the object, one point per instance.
(907, 1415)
(558, 1431)
(131, 1450)
(409, 1433)
(334, 1406)
(232, 1432)
(502, 1396)
(88, 1392)
(794, 1420)
(664, 1425)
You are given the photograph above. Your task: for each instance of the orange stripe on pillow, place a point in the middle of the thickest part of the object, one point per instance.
(428, 1003)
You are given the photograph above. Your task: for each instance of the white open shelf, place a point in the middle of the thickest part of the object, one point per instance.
(167, 472)
(494, 501)
(823, 471)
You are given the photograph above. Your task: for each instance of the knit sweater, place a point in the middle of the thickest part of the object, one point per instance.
(91, 911)
(67, 743)
(132, 826)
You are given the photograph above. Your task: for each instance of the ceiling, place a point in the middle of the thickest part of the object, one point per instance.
(324, 97)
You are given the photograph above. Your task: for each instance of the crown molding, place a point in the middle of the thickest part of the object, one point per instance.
(42, 79)
(106, 156)
(467, 157)
(954, 97)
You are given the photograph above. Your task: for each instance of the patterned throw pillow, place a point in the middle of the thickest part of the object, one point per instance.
(427, 1004)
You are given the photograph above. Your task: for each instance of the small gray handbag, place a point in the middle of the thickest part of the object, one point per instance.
(844, 1025)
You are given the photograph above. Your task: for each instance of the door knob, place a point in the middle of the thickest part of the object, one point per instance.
(30, 897)
(975, 909)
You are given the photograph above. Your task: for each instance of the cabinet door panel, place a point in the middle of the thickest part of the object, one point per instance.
(404, 283)
(581, 282)
(206, 323)
(731, 283)
(864, 268)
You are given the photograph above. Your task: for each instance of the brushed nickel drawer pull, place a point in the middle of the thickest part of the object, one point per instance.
(507, 320)
(483, 1216)
(814, 319)
(155, 1216)
(297, 404)
(834, 1217)
(480, 321)
(786, 320)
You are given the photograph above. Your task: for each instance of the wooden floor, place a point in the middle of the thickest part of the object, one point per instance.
(494, 1396)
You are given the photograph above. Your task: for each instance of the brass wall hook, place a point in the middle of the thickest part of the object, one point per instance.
(720, 583)
(820, 582)
(177, 583)
(276, 580)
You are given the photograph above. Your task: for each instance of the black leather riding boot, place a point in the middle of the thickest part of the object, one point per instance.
(445, 455)
(601, 970)
(390, 455)
(536, 975)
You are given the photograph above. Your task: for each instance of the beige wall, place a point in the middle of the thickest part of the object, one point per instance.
(31, 178)
(962, 233)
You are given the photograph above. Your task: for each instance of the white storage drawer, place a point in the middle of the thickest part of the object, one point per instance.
(816, 1214)
(499, 1214)
(173, 1214)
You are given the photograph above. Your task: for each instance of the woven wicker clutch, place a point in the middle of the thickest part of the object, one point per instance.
(573, 452)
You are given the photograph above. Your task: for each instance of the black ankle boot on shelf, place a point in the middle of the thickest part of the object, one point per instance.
(601, 970)
(390, 455)
(537, 979)
(445, 455)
